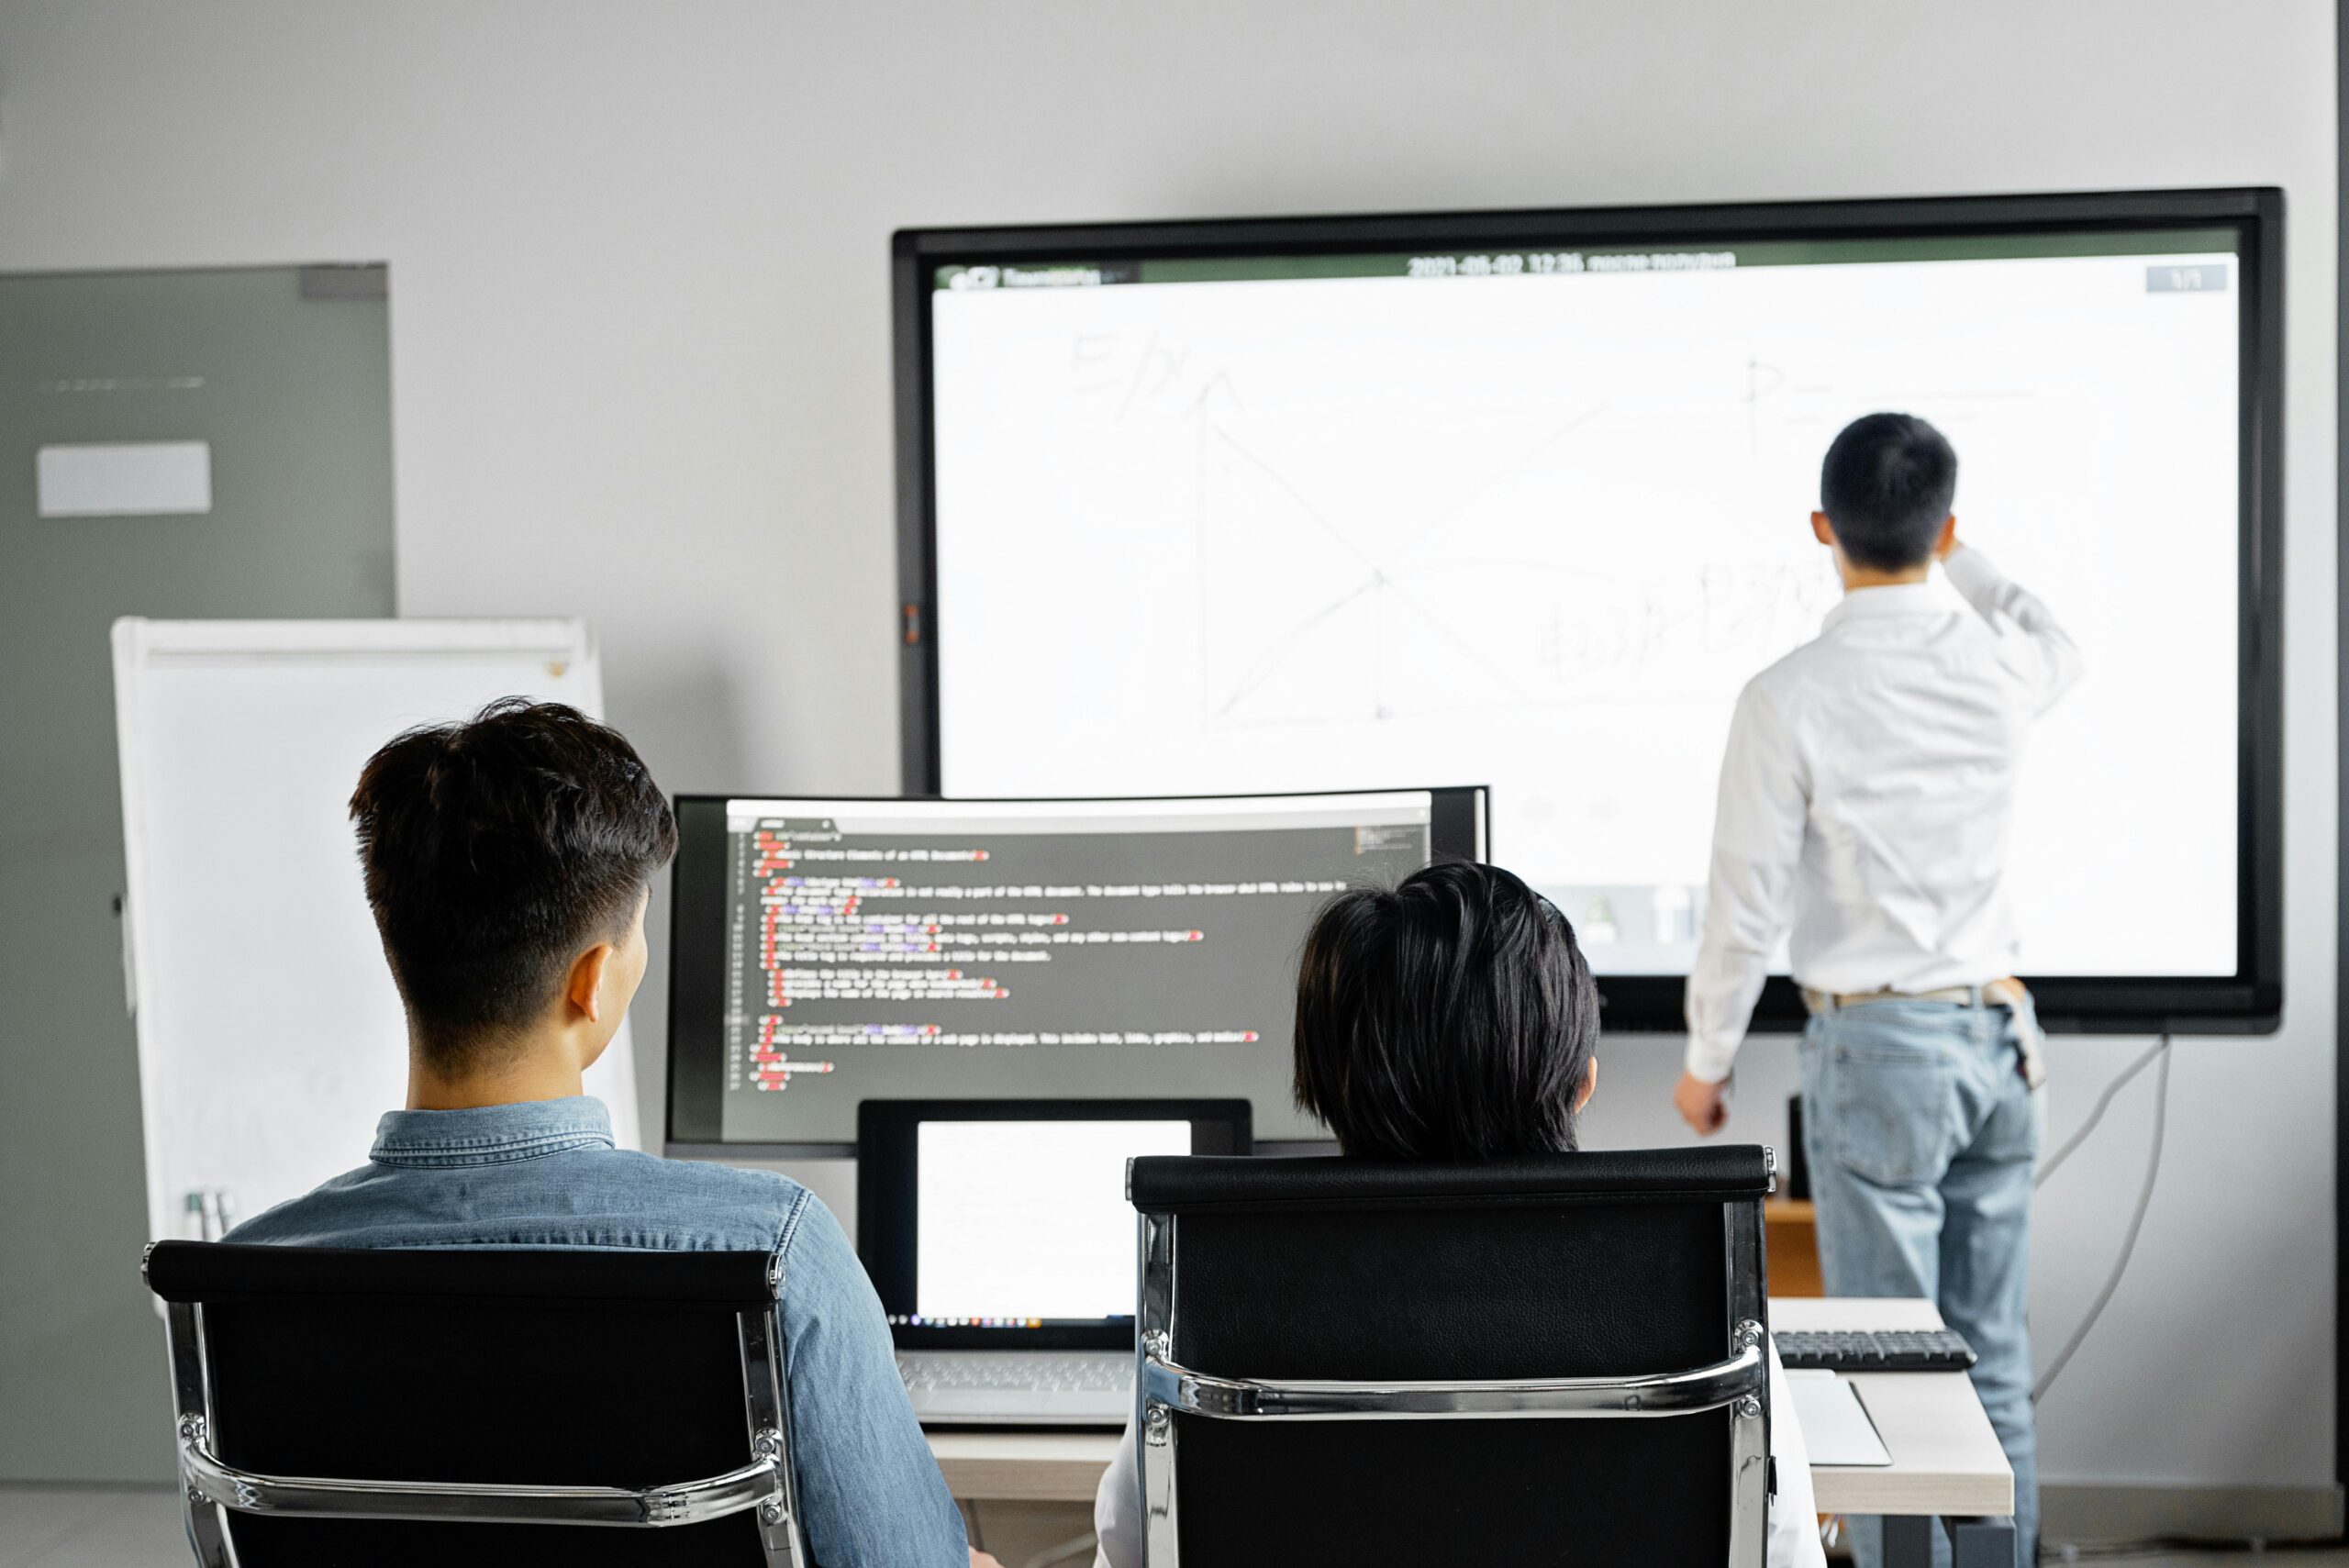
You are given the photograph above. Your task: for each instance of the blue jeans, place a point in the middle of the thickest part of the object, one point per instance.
(1922, 1138)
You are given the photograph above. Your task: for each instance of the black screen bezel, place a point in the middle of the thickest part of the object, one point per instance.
(887, 1210)
(2248, 1002)
(1457, 828)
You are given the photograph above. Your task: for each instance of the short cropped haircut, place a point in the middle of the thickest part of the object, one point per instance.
(1886, 487)
(1450, 1017)
(498, 850)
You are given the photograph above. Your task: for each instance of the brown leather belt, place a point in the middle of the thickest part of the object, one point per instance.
(1997, 993)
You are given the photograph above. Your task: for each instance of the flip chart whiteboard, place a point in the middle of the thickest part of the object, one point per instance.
(270, 1034)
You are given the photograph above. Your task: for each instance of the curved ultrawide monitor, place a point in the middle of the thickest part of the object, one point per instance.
(1291, 504)
(827, 952)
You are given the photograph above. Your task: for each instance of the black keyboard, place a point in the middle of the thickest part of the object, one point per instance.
(1879, 1350)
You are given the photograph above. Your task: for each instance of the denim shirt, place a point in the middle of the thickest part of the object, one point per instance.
(546, 1174)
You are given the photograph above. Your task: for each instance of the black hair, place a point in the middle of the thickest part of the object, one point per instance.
(1886, 487)
(1450, 1017)
(495, 851)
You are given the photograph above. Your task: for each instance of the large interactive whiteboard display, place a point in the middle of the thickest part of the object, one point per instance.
(1523, 499)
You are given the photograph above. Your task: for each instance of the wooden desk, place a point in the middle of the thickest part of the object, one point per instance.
(1945, 1459)
(1792, 1243)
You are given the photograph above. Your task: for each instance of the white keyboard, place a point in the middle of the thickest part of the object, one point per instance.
(1020, 1387)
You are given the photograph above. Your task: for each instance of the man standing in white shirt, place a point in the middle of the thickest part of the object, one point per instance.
(1866, 804)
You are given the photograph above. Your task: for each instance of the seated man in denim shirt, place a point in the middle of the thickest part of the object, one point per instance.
(509, 862)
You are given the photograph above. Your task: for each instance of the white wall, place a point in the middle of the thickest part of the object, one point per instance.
(640, 348)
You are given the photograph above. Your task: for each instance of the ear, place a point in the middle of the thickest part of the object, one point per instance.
(1589, 1086)
(583, 986)
(1946, 540)
(1820, 529)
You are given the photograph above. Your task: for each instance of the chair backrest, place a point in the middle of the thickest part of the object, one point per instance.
(1616, 1299)
(447, 1407)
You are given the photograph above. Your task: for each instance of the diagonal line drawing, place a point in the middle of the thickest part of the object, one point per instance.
(1381, 584)
(1294, 493)
(1270, 659)
(1476, 493)
(1446, 631)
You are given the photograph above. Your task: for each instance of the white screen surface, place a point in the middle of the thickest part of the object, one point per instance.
(1537, 531)
(1029, 1220)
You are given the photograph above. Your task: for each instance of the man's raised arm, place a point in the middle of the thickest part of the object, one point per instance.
(2037, 649)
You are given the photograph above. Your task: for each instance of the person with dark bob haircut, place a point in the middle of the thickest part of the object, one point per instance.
(509, 860)
(1453, 1018)
(1480, 1036)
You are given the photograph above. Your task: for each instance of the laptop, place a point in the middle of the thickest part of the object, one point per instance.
(1000, 1237)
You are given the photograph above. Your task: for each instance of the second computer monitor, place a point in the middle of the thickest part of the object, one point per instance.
(829, 951)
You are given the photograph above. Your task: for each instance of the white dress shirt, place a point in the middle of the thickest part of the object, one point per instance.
(1867, 797)
(1794, 1521)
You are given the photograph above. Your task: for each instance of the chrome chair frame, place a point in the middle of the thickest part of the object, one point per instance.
(1738, 1384)
(211, 1489)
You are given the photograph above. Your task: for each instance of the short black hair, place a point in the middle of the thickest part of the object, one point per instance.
(495, 850)
(1886, 487)
(1450, 1017)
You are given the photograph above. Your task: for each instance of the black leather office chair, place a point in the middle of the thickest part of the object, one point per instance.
(1551, 1360)
(452, 1408)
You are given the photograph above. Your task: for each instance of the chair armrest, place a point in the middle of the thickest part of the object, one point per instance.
(686, 1502)
(1738, 1381)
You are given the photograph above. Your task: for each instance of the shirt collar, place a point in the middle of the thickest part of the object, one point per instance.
(491, 1135)
(1932, 598)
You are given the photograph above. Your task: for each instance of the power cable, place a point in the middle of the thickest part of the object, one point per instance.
(2047, 1166)
(2136, 1220)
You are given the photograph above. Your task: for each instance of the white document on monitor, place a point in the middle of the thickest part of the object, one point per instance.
(1021, 1220)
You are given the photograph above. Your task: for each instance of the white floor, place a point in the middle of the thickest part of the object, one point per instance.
(91, 1526)
(139, 1527)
